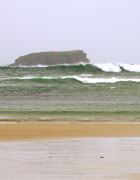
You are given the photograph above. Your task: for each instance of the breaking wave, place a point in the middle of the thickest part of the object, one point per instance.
(84, 78)
(106, 80)
(82, 68)
(110, 67)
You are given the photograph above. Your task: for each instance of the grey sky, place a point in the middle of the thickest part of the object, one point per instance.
(108, 30)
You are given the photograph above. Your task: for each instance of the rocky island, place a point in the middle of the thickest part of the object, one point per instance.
(52, 58)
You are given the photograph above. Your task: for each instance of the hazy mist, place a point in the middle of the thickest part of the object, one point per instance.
(107, 30)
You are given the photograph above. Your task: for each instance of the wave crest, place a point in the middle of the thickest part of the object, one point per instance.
(84, 68)
(118, 67)
(97, 67)
(85, 78)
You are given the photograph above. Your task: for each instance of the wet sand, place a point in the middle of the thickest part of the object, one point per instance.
(78, 159)
(54, 151)
(10, 132)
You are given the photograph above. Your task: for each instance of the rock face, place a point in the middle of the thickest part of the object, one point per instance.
(52, 58)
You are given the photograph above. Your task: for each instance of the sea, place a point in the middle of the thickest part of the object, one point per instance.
(82, 91)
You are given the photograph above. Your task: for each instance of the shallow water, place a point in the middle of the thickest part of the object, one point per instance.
(94, 158)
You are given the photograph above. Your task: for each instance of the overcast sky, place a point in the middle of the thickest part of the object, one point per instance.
(107, 30)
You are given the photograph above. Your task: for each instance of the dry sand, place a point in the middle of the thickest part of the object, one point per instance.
(65, 130)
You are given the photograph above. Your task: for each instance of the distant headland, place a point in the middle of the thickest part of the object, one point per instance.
(52, 58)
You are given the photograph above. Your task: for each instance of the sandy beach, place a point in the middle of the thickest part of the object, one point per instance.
(32, 131)
(57, 151)
(65, 159)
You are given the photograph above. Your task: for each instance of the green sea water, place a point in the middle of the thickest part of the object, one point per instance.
(69, 93)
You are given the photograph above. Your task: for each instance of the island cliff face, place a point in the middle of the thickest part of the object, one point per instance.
(52, 58)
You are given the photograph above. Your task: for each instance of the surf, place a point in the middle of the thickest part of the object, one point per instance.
(118, 67)
(68, 70)
(85, 78)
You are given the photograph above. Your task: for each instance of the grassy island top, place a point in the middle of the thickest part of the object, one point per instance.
(56, 52)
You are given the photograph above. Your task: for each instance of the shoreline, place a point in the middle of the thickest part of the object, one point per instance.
(50, 131)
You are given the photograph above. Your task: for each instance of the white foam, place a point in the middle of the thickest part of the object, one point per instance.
(46, 77)
(84, 78)
(109, 67)
(131, 67)
(105, 80)
(27, 77)
(101, 80)
(39, 65)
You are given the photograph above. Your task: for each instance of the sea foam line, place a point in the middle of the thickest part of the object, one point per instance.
(106, 80)
(85, 78)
